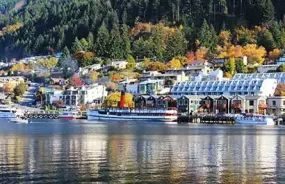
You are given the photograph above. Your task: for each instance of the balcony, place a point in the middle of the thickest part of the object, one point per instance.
(236, 106)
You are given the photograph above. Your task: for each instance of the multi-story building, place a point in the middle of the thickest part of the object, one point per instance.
(276, 105)
(76, 96)
(259, 87)
(193, 69)
(279, 76)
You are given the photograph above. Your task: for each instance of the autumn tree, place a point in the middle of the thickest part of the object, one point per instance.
(20, 89)
(47, 63)
(254, 53)
(113, 100)
(131, 62)
(76, 81)
(273, 55)
(157, 66)
(9, 87)
(224, 38)
(175, 63)
(93, 75)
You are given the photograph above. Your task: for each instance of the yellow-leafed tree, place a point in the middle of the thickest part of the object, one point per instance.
(9, 87)
(114, 99)
(254, 53)
(175, 63)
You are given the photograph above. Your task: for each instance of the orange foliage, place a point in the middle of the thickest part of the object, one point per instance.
(116, 77)
(190, 57)
(254, 53)
(141, 28)
(201, 53)
(228, 75)
(157, 66)
(273, 55)
(11, 28)
(230, 51)
(9, 87)
(224, 38)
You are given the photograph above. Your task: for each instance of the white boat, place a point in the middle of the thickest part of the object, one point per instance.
(255, 120)
(20, 120)
(68, 115)
(7, 112)
(168, 115)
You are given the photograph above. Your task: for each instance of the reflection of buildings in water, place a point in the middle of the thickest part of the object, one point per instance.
(12, 152)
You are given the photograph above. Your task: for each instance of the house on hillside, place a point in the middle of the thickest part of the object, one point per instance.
(120, 65)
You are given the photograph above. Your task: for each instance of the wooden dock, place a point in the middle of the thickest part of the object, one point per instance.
(206, 119)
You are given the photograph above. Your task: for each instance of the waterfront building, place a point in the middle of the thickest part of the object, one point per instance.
(169, 78)
(279, 76)
(193, 69)
(151, 86)
(155, 101)
(188, 103)
(267, 68)
(76, 96)
(280, 60)
(276, 105)
(259, 87)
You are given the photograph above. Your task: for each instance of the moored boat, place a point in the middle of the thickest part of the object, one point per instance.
(7, 112)
(68, 115)
(166, 115)
(20, 120)
(255, 120)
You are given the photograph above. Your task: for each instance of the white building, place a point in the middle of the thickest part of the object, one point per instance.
(267, 68)
(193, 69)
(254, 87)
(87, 69)
(279, 76)
(76, 96)
(119, 64)
(276, 105)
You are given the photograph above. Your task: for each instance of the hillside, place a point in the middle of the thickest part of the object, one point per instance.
(43, 26)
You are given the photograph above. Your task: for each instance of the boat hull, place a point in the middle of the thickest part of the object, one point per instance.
(251, 122)
(67, 117)
(97, 116)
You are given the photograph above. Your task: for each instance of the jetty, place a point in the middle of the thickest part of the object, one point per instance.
(205, 119)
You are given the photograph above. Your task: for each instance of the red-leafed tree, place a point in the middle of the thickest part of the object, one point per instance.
(76, 81)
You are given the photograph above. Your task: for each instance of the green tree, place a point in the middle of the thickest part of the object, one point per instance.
(230, 66)
(131, 62)
(84, 44)
(76, 46)
(207, 36)
(126, 43)
(176, 45)
(90, 40)
(281, 68)
(115, 43)
(20, 89)
(239, 66)
(102, 40)
(265, 39)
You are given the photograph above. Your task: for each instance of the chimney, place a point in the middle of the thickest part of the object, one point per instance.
(123, 99)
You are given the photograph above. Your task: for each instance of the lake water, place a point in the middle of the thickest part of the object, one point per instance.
(74, 152)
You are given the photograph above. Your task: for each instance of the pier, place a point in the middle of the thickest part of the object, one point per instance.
(208, 119)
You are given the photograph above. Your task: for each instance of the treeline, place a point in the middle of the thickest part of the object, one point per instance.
(111, 28)
(7, 5)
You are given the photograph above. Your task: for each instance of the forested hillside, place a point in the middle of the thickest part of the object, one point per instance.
(112, 28)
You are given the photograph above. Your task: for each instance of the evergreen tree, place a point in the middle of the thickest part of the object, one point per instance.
(126, 43)
(115, 43)
(76, 46)
(84, 44)
(207, 36)
(265, 39)
(268, 11)
(176, 45)
(102, 40)
(131, 62)
(90, 40)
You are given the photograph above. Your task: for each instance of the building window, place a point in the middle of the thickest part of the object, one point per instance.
(251, 103)
(273, 102)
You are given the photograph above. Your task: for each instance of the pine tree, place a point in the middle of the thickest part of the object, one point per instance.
(90, 40)
(102, 40)
(76, 46)
(115, 43)
(207, 36)
(267, 11)
(265, 39)
(176, 45)
(126, 43)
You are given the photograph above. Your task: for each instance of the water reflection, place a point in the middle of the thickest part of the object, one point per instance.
(133, 153)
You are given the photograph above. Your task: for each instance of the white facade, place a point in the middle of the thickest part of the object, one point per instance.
(267, 68)
(77, 96)
(119, 64)
(276, 105)
(258, 87)
(279, 76)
